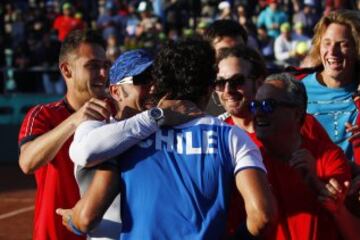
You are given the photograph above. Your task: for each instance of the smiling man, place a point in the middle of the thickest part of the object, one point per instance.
(335, 52)
(302, 170)
(241, 71)
(47, 130)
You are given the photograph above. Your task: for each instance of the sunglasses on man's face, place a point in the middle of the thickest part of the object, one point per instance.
(269, 105)
(144, 78)
(234, 83)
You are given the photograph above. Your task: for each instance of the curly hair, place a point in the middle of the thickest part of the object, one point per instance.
(349, 18)
(184, 70)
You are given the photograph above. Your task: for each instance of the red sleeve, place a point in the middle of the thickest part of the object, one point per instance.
(35, 124)
(314, 130)
(356, 142)
(57, 22)
(333, 162)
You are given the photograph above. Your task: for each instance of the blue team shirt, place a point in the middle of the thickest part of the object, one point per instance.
(332, 107)
(176, 184)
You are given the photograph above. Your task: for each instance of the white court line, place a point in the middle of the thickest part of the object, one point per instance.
(16, 212)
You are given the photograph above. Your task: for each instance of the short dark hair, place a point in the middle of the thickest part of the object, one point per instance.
(184, 70)
(258, 66)
(77, 37)
(225, 28)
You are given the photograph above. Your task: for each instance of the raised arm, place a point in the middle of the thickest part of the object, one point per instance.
(95, 142)
(42, 149)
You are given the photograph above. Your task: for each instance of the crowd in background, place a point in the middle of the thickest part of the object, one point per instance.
(31, 31)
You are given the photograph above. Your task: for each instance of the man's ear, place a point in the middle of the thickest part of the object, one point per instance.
(65, 70)
(116, 92)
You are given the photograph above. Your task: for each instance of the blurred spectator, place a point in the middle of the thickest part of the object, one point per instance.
(148, 21)
(147, 30)
(266, 44)
(111, 23)
(132, 21)
(65, 23)
(242, 17)
(48, 54)
(176, 15)
(332, 5)
(225, 33)
(8, 20)
(307, 16)
(225, 13)
(37, 23)
(299, 34)
(248, 25)
(112, 48)
(272, 17)
(159, 9)
(284, 46)
(17, 28)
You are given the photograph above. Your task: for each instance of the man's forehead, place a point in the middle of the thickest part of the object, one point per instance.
(238, 66)
(227, 41)
(89, 50)
(274, 89)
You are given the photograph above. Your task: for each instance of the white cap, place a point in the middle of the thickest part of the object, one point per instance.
(224, 4)
(309, 2)
(142, 6)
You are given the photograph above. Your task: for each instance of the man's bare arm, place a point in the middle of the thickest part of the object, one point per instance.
(38, 152)
(260, 204)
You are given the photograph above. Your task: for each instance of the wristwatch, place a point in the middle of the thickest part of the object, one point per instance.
(157, 115)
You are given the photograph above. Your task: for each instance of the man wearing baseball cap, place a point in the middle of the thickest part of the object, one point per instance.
(96, 142)
(130, 81)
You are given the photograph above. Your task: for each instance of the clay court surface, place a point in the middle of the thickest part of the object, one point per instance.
(17, 193)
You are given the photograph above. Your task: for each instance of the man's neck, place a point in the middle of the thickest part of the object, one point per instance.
(283, 150)
(75, 102)
(246, 124)
(332, 82)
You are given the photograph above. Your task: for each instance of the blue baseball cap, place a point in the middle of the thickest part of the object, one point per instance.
(130, 64)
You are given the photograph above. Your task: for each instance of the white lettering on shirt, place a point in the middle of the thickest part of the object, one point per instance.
(183, 141)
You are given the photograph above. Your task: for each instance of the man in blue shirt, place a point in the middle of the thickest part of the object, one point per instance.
(176, 183)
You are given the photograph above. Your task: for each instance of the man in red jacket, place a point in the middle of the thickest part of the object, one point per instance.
(47, 131)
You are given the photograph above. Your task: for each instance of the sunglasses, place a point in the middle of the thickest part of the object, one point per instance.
(144, 78)
(235, 82)
(269, 105)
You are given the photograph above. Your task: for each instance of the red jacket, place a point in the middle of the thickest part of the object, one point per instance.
(301, 73)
